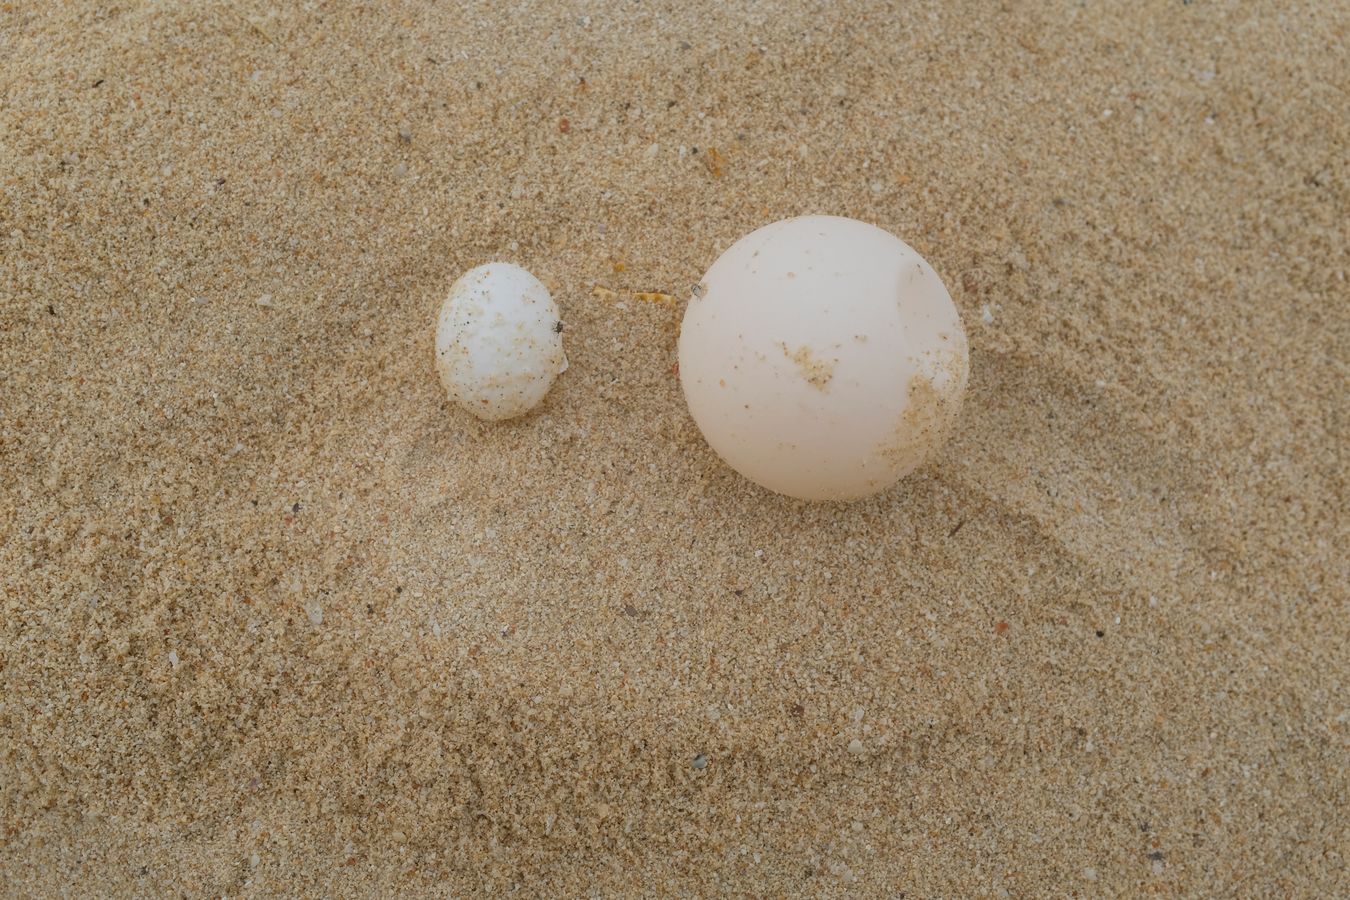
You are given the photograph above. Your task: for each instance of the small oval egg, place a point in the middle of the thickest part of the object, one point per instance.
(823, 358)
(499, 341)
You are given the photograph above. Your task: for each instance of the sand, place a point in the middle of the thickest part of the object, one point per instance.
(278, 619)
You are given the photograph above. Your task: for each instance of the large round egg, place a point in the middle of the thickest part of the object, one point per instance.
(823, 358)
(498, 341)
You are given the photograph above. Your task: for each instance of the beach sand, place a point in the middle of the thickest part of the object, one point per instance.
(279, 620)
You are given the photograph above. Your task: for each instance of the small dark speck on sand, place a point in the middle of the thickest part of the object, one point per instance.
(51, 309)
(1156, 855)
(295, 508)
(1101, 633)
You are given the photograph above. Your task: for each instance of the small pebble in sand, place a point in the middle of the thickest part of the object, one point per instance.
(498, 345)
(855, 746)
(700, 762)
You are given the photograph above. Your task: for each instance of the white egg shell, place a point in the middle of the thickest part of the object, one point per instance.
(498, 341)
(823, 358)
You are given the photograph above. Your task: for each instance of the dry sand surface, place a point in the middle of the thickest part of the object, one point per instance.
(277, 619)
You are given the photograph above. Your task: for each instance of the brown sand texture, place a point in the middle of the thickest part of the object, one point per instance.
(278, 620)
